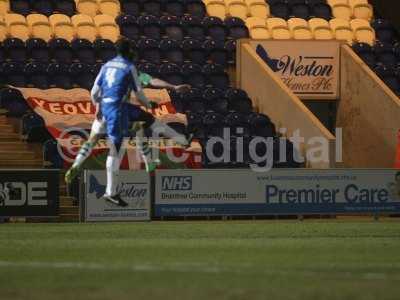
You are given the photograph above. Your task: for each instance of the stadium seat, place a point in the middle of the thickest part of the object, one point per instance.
(14, 73)
(260, 125)
(216, 51)
(236, 28)
(171, 51)
(193, 51)
(321, 29)
(321, 10)
(82, 75)
(40, 26)
(193, 27)
(299, 29)
(129, 26)
(4, 7)
(62, 27)
(20, 7)
(279, 29)
(36, 74)
(44, 7)
(280, 9)
(151, 7)
(230, 47)
(150, 26)
(234, 94)
(66, 7)
(104, 49)
(149, 68)
(130, 7)
(87, 7)
(2, 54)
(217, 8)
(237, 8)
(109, 7)
(216, 76)
(300, 9)
(17, 26)
(385, 53)
(15, 49)
(341, 9)
(84, 27)
(3, 29)
(215, 27)
(33, 127)
(107, 28)
(363, 32)
(196, 8)
(366, 53)
(258, 29)
(61, 51)
(172, 27)
(258, 8)
(83, 51)
(38, 50)
(342, 30)
(388, 75)
(171, 73)
(174, 8)
(242, 105)
(384, 30)
(59, 75)
(51, 155)
(149, 51)
(361, 9)
(193, 75)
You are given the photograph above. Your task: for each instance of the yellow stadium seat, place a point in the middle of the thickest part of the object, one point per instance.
(257, 28)
(361, 9)
(342, 11)
(87, 7)
(237, 8)
(279, 29)
(216, 8)
(342, 30)
(3, 29)
(62, 27)
(106, 27)
(321, 29)
(4, 7)
(17, 26)
(299, 28)
(363, 32)
(109, 7)
(84, 27)
(258, 8)
(255, 21)
(40, 26)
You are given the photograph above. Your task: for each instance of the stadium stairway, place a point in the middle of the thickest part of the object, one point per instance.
(17, 154)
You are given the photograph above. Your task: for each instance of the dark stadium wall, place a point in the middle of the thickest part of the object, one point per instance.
(388, 9)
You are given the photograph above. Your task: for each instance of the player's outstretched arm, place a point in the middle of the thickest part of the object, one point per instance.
(137, 87)
(161, 84)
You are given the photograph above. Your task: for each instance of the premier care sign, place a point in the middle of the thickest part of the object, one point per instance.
(294, 191)
(309, 68)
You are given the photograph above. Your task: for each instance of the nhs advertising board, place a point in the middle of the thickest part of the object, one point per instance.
(309, 68)
(134, 188)
(300, 191)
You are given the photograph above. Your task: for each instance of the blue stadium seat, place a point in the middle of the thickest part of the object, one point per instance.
(151, 7)
(96, 68)
(384, 31)
(216, 76)
(9, 96)
(235, 120)
(196, 8)
(385, 53)
(150, 27)
(2, 53)
(193, 51)
(104, 49)
(171, 51)
(38, 50)
(230, 47)
(243, 105)
(193, 27)
(171, 73)
(61, 51)
(83, 51)
(33, 128)
(59, 75)
(321, 10)
(388, 75)
(280, 9)
(51, 155)
(149, 68)
(193, 75)
(36, 74)
(15, 49)
(21, 7)
(195, 125)
(313, 2)
(172, 27)
(14, 73)
(233, 94)
(216, 51)
(44, 7)
(300, 9)
(215, 27)
(82, 75)
(175, 7)
(129, 26)
(66, 7)
(237, 28)
(214, 123)
(149, 50)
(261, 125)
(212, 94)
(130, 7)
(366, 53)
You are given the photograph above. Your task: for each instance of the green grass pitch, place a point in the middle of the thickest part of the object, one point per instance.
(201, 260)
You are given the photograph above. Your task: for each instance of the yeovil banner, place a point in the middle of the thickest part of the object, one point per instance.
(309, 68)
(295, 191)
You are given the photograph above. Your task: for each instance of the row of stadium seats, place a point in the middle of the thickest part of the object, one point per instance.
(46, 7)
(59, 26)
(59, 50)
(41, 75)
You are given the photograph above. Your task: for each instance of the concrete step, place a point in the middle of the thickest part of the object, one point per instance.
(66, 201)
(9, 137)
(6, 128)
(14, 145)
(13, 154)
(69, 210)
(21, 164)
